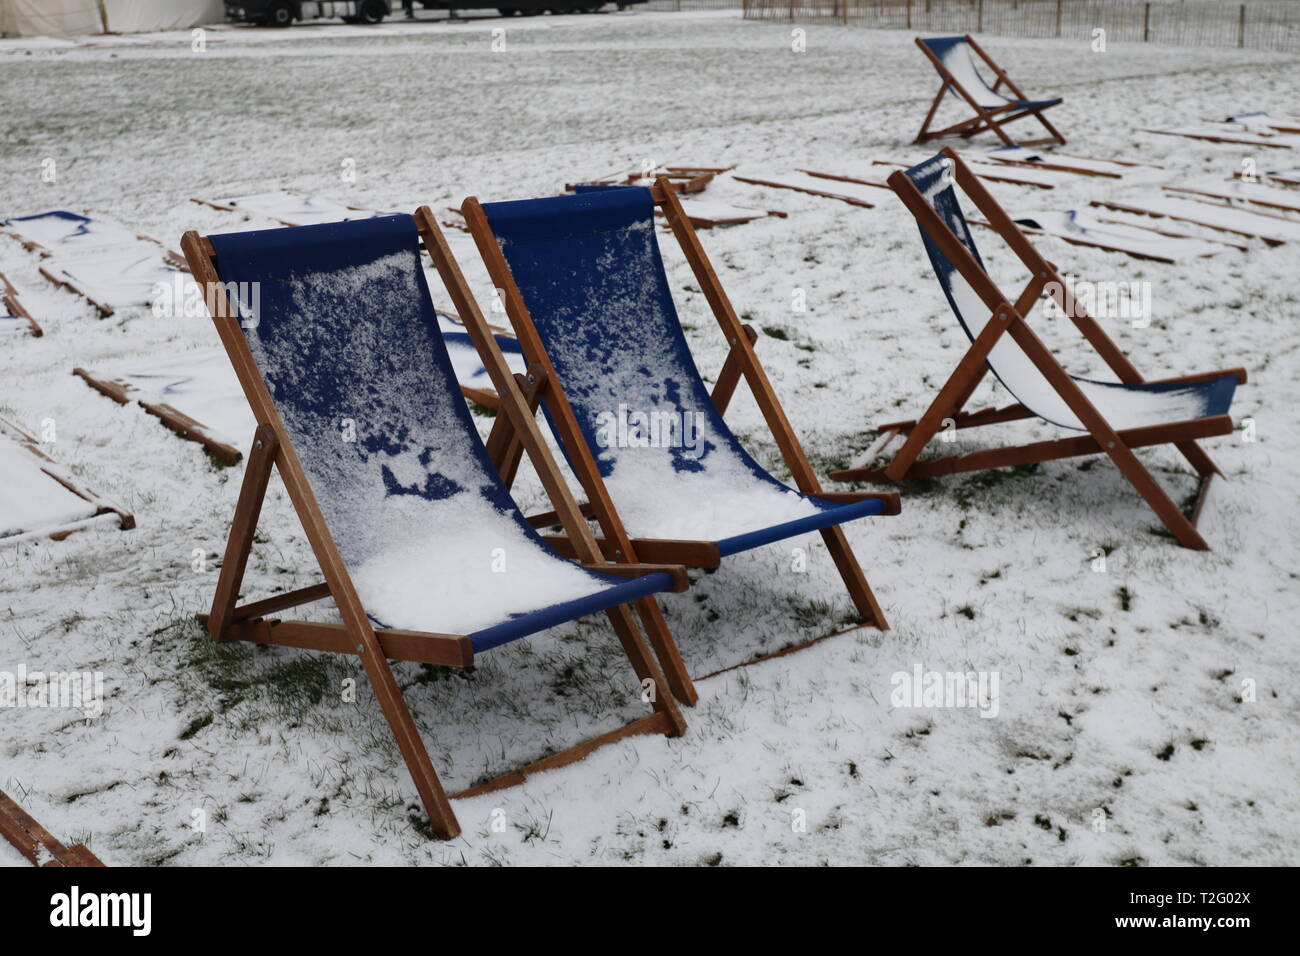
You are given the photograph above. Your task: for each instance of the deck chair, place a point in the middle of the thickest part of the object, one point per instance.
(994, 111)
(404, 520)
(1117, 416)
(586, 292)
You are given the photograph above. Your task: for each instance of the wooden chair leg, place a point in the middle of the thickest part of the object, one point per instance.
(409, 743)
(643, 663)
(1147, 486)
(1198, 459)
(257, 474)
(670, 658)
(854, 579)
(922, 136)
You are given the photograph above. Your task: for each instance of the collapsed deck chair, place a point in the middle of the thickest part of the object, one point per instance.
(13, 316)
(1080, 228)
(995, 111)
(194, 393)
(41, 499)
(405, 519)
(1271, 199)
(1117, 416)
(1274, 230)
(290, 208)
(105, 263)
(586, 292)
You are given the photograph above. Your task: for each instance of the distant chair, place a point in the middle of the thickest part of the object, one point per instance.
(951, 56)
(1117, 416)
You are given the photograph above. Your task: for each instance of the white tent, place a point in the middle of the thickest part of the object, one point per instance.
(25, 18)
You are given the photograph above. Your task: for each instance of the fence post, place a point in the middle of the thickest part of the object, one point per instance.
(1241, 27)
(1146, 22)
(979, 16)
(1058, 17)
(909, 14)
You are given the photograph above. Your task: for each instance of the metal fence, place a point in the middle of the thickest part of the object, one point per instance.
(1269, 25)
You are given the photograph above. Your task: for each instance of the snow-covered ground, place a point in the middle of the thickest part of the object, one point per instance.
(1158, 694)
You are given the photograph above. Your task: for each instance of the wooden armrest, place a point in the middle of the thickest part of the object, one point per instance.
(680, 581)
(893, 503)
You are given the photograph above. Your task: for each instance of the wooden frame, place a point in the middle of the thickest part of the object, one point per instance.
(992, 119)
(35, 842)
(9, 301)
(271, 448)
(741, 363)
(1010, 319)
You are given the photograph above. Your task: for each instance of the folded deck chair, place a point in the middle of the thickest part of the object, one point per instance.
(13, 317)
(41, 499)
(1239, 134)
(995, 111)
(1065, 162)
(1272, 199)
(1117, 416)
(843, 188)
(105, 263)
(405, 520)
(1274, 230)
(1082, 229)
(194, 393)
(290, 208)
(586, 291)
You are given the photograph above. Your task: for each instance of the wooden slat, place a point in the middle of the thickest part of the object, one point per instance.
(656, 723)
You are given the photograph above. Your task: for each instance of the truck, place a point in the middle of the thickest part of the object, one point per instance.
(283, 13)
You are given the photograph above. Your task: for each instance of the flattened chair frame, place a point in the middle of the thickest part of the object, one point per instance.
(9, 301)
(1011, 318)
(542, 386)
(230, 621)
(994, 119)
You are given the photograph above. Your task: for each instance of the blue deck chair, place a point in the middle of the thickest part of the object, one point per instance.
(664, 476)
(333, 336)
(1117, 416)
(994, 110)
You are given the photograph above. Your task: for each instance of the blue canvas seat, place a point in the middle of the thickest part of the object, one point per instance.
(337, 347)
(345, 332)
(588, 270)
(1116, 416)
(954, 58)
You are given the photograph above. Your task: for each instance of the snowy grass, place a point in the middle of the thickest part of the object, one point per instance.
(1122, 692)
